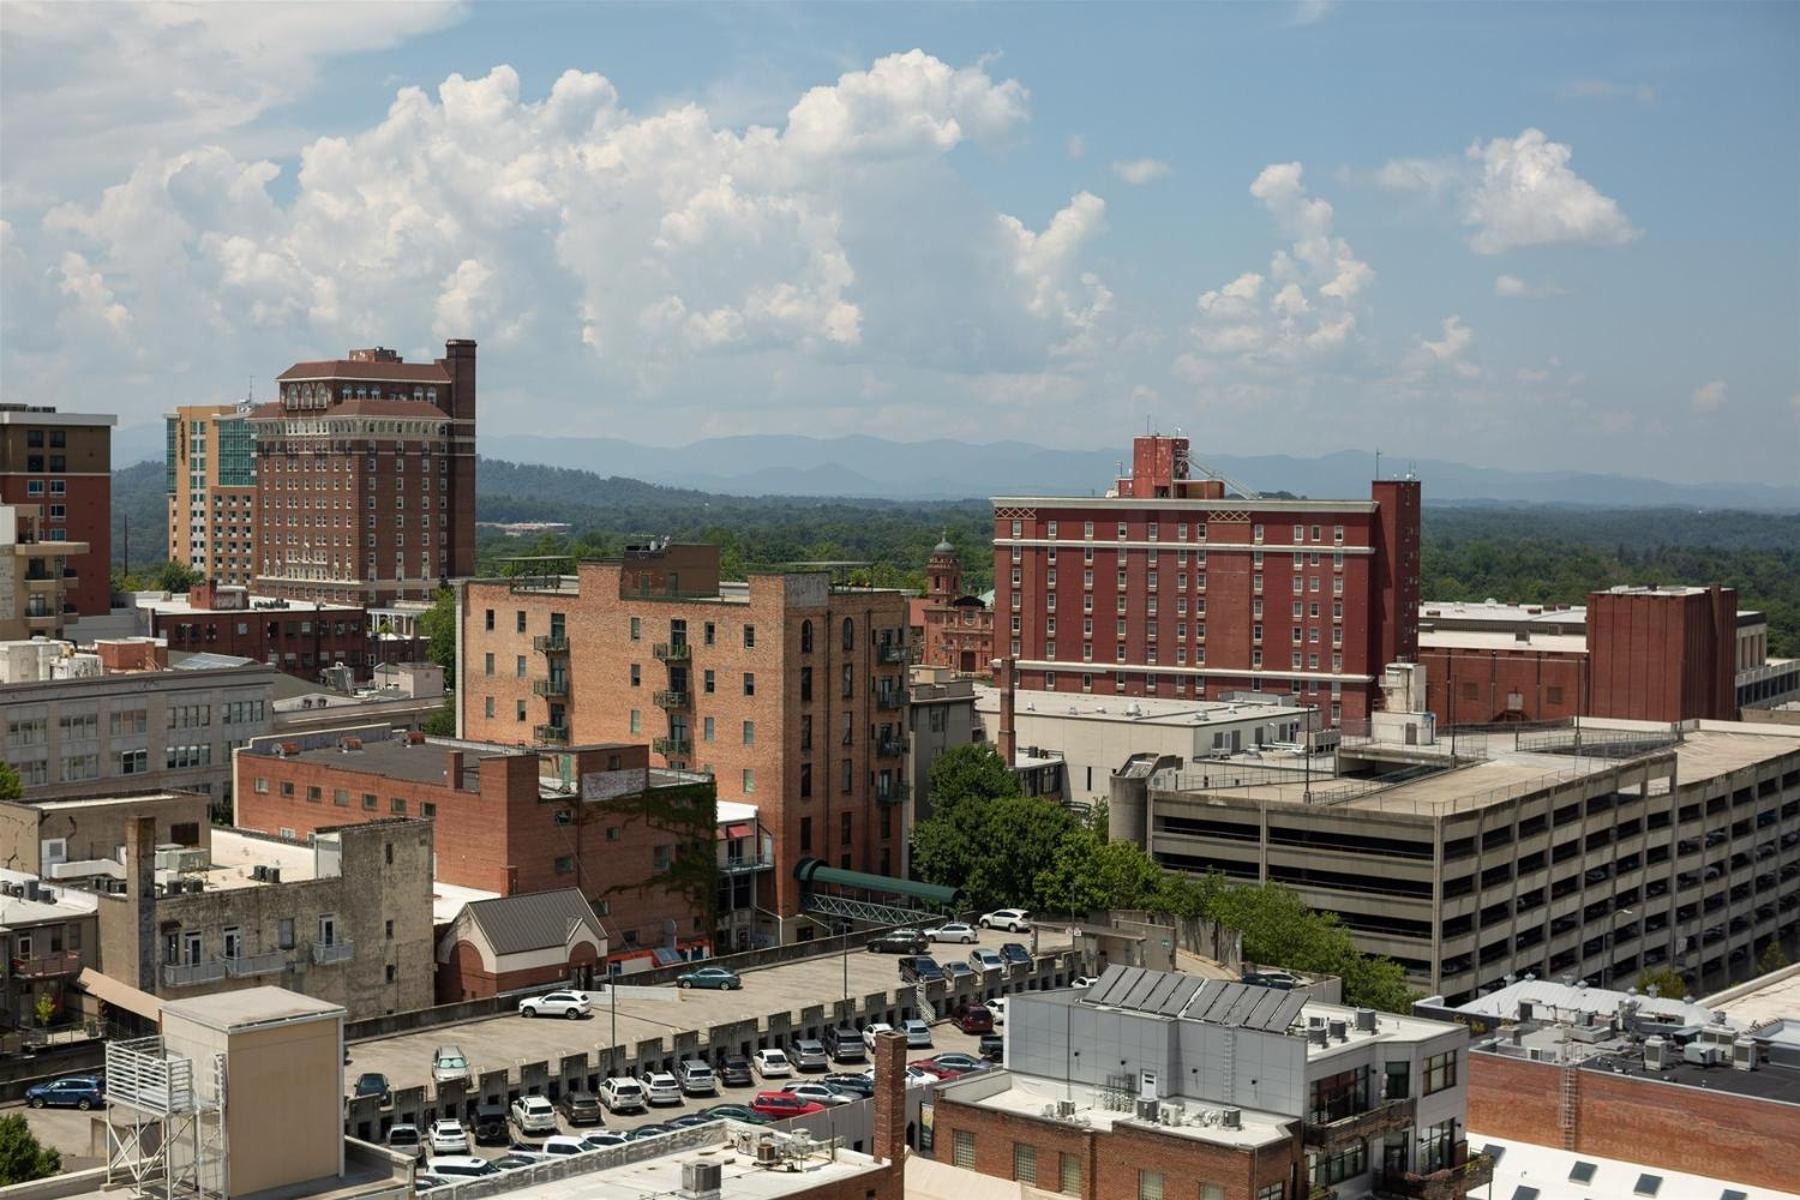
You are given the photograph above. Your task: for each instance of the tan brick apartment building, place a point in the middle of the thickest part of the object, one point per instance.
(37, 576)
(636, 841)
(365, 475)
(63, 461)
(210, 477)
(1166, 586)
(789, 690)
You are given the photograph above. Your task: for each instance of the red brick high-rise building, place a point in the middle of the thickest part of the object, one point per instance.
(61, 462)
(365, 475)
(1166, 586)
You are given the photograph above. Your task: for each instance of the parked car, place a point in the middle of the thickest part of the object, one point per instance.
(563, 1146)
(975, 1018)
(997, 1009)
(956, 969)
(845, 1044)
(489, 1126)
(450, 1065)
(1284, 980)
(573, 1005)
(461, 1166)
(861, 1084)
(954, 931)
(697, 1079)
(736, 1073)
(77, 1091)
(580, 1108)
(622, 1094)
(919, 969)
(448, 1137)
(660, 1087)
(1084, 981)
(517, 1160)
(772, 1064)
(919, 1077)
(736, 1112)
(1015, 954)
(648, 1131)
(918, 1033)
(1013, 920)
(820, 1093)
(808, 1054)
(375, 1084)
(534, 1115)
(778, 1106)
(873, 1030)
(604, 1139)
(985, 960)
(937, 1070)
(426, 1183)
(690, 1120)
(956, 1060)
(719, 978)
(900, 941)
(993, 1047)
(403, 1138)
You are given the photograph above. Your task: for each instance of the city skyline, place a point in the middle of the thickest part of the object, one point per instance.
(1511, 236)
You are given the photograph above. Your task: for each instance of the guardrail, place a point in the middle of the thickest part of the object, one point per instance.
(193, 974)
(336, 952)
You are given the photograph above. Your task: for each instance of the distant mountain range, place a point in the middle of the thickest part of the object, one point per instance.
(780, 465)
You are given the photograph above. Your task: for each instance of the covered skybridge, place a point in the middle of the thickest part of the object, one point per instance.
(875, 899)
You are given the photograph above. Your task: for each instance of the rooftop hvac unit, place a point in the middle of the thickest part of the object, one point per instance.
(47, 895)
(1702, 1055)
(274, 874)
(1317, 1035)
(1340, 1030)
(1744, 1054)
(701, 1180)
(1365, 1020)
(1147, 1110)
(260, 873)
(1315, 1022)
(766, 1154)
(1065, 1109)
(1534, 1053)
(1660, 1054)
(1231, 1118)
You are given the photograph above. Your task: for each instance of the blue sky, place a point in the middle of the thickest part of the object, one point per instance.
(1534, 236)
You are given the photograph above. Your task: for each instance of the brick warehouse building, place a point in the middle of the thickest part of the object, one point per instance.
(1168, 587)
(299, 638)
(637, 841)
(63, 461)
(210, 477)
(789, 690)
(365, 474)
(1639, 653)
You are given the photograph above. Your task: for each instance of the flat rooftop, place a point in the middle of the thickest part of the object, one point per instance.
(1483, 639)
(269, 607)
(1526, 1169)
(1497, 612)
(1772, 997)
(1622, 1056)
(248, 1007)
(1066, 706)
(1721, 747)
(127, 800)
(1029, 1095)
(741, 1177)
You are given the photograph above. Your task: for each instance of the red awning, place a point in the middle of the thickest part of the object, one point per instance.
(739, 830)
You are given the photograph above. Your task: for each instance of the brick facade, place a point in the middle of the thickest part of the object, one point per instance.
(789, 691)
(365, 475)
(298, 638)
(1480, 687)
(957, 629)
(211, 484)
(1163, 588)
(1696, 1130)
(499, 829)
(63, 461)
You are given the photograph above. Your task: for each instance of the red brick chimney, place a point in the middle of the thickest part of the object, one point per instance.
(453, 770)
(1006, 675)
(890, 1097)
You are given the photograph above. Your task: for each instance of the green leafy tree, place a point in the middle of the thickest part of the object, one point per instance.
(22, 1158)
(173, 576)
(11, 786)
(971, 772)
(44, 1008)
(441, 723)
(438, 625)
(1666, 980)
(1091, 874)
(1773, 958)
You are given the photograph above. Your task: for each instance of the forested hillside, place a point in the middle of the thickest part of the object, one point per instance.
(1537, 553)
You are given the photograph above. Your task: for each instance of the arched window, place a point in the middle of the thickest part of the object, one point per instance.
(849, 634)
(806, 637)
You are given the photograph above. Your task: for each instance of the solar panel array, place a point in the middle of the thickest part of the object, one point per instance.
(1217, 1002)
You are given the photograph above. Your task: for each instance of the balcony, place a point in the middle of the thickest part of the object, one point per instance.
(247, 966)
(672, 747)
(745, 864)
(325, 954)
(892, 652)
(557, 686)
(47, 966)
(550, 643)
(672, 651)
(890, 701)
(1452, 1183)
(550, 735)
(177, 975)
(1390, 1116)
(673, 699)
(890, 747)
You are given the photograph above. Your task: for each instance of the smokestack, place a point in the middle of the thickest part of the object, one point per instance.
(890, 1097)
(453, 770)
(1006, 675)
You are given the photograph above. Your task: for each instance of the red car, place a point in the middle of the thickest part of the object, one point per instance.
(939, 1069)
(778, 1106)
(975, 1018)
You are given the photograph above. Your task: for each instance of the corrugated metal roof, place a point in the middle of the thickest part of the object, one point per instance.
(533, 921)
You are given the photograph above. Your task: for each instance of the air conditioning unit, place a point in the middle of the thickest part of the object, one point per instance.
(1340, 1030)
(1660, 1054)
(1065, 1109)
(1365, 1020)
(1745, 1054)
(701, 1180)
(1147, 1110)
(1231, 1118)
(1317, 1035)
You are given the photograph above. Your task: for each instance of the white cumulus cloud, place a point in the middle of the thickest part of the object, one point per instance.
(1448, 353)
(1140, 171)
(1710, 397)
(1511, 287)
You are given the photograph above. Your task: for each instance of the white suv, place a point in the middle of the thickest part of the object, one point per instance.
(660, 1087)
(448, 1137)
(534, 1114)
(573, 1005)
(1014, 920)
(772, 1064)
(622, 1095)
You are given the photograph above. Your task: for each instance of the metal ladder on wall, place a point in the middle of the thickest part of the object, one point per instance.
(1230, 1080)
(1568, 1106)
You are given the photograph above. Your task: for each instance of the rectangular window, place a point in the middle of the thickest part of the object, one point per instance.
(749, 780)
(962, 1149)
(706, 684)
(706, 729)
(749, 733)
(1024, 1163)
(749, 640)
(637, 721)
(637, 629)
(1440, 1072)
(749, 681)
(1150, 1185)
(1071, 1175)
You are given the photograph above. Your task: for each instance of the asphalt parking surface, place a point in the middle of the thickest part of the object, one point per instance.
(67, 1130)
(511, 1040)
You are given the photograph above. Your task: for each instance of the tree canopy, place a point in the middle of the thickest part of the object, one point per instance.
(22, 1157)
(11, 786)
